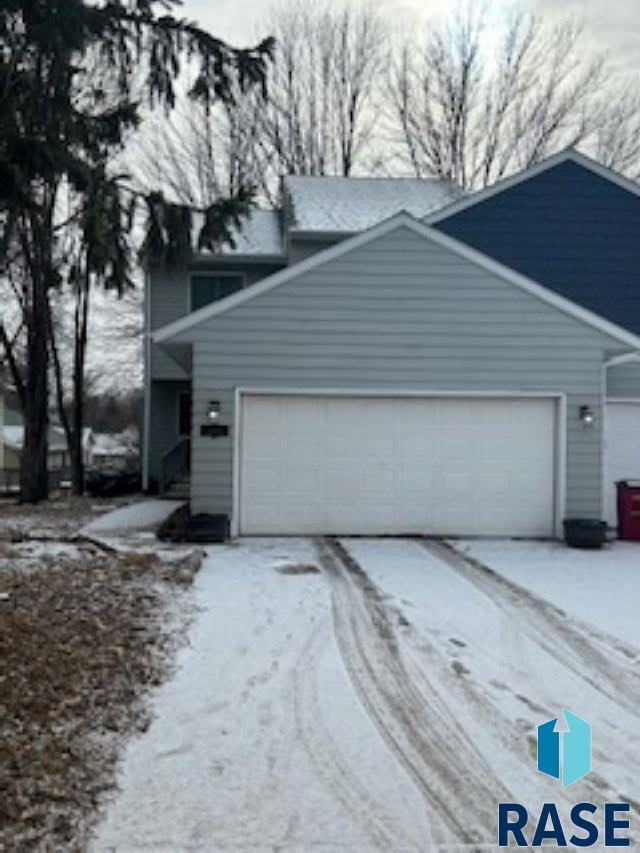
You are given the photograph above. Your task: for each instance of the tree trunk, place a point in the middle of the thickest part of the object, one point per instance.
(75, 447)
(77, 462)
(72, 416)
(79, 358)
(37, 242)
(59, 384)
(34, 480)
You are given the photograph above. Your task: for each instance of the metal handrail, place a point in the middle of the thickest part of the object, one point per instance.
(176, 461)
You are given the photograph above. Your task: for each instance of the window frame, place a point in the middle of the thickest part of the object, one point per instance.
(213, 274)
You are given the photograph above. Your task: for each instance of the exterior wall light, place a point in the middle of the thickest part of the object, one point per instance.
(212, 427)
(213, 411)
(587, 418)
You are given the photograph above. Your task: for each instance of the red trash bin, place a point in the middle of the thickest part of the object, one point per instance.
(629, 509)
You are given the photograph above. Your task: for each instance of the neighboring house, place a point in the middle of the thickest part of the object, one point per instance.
(372, 374)
(58, 454)
(58, 457)
(9, 457)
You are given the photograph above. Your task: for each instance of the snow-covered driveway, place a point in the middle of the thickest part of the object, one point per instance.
(387, 701)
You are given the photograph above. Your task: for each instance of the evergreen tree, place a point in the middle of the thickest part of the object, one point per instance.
(70, 73)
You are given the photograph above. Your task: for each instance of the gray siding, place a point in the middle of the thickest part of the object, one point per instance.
(170, 298)
(301, 248)
(623, 381)
(398, 312)
(168, 295)
(168, 301)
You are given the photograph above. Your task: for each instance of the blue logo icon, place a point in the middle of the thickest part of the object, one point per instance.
(565, 754)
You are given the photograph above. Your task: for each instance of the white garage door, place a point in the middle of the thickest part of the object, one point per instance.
(323, 464)
(622, 443)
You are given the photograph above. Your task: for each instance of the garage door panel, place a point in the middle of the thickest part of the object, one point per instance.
(260, 478)
(302, 443)
(313, 464)
(622, 450)
(416, 481)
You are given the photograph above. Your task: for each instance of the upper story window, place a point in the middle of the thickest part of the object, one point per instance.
(209, 287)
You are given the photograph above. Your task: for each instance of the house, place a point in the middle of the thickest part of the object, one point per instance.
(13, 442)
(10, 420)
(58, 457)
(316, 213)
(356, 365)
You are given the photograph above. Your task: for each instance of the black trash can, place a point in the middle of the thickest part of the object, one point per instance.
(585, 532)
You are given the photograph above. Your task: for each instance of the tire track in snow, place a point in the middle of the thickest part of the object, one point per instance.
(324, 753)
(458, 784)
(505, 597)
(572, 644)
(516, 740)
(432, 676)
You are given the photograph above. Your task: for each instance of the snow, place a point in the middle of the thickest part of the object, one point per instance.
(387, 703)
(331, 203)
(520, 663)
(259, 743)
(45, 550)
(113, 445)
(13, 436)
(136, 516)
(354, 204)
(601, 587)
(260, 234)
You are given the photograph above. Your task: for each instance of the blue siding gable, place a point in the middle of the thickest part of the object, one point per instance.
(569, 229)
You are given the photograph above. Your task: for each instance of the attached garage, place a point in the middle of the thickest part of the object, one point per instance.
(397, 383)
(622, 450)
(360, 464)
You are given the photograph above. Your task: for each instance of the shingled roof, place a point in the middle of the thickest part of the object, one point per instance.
(336, 204)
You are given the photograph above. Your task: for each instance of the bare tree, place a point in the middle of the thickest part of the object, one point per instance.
(617, 142)
(318, 116)
(204, 152)
(477, 101)
(323, 87)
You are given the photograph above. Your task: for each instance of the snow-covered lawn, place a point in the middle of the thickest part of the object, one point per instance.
(57, 517)
(85, 633)
(376, 695)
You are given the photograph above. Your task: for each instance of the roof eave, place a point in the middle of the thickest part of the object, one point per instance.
(319, 236)
(210, 257)
(172, 331)
(568, 155)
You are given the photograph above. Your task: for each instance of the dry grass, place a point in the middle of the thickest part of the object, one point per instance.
(83, 636)
(61, 515)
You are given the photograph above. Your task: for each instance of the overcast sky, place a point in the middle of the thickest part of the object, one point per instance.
(613, 25)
